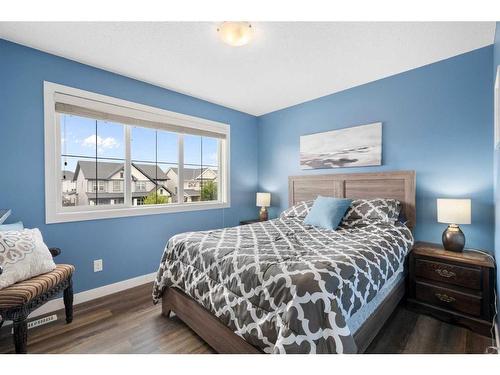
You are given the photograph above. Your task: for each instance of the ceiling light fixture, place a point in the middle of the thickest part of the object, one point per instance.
(235, 33)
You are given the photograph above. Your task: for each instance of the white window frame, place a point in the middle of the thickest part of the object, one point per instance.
(117, 183)
(139, 186)
(56, 213)
(101, 183)
(95, 186)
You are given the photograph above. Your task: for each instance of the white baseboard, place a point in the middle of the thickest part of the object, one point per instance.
(91, 294)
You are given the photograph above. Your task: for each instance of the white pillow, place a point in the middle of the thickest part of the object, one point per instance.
(23, 255)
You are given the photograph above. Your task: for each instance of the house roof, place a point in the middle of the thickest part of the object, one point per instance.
(191, 173)
(192, 192)
(151, 171)
(68, 175)
(105, 170)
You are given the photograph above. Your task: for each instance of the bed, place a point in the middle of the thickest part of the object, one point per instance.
(284, 287)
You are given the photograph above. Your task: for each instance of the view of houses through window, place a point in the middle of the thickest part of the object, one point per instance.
(93, 164)
(153, 153)
(200, 168)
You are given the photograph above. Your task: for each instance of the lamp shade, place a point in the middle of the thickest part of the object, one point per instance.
(454, 211)
(263, 199)
(235, 33)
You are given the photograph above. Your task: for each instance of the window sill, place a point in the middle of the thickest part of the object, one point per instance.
(70, 216)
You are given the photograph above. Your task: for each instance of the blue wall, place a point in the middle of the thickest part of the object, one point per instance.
(131, 246)
(437, 120)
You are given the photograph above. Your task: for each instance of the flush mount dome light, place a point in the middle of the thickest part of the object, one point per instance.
(235, 33)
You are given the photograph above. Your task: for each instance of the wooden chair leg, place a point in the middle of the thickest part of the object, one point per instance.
(68, 302)
(21, 335)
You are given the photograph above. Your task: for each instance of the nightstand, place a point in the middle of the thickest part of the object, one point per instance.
(456, 287)
(251, 221)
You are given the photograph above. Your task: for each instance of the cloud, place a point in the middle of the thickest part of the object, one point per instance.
(102, 143)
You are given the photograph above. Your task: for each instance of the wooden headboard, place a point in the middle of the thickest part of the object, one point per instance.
(398, 185)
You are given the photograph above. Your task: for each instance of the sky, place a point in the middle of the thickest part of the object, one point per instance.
(79, 142)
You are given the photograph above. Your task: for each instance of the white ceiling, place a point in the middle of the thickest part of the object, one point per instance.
(287, 63)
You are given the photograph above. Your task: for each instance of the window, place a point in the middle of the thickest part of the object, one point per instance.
(201, 168)
(140, 186)
(106, 157)
(154, 155)
(92, 151)
(93, 184)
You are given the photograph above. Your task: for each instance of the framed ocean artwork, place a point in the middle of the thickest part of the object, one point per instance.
(358, 146)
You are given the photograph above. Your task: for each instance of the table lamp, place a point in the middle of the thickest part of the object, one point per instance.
(454, 212)
(263, 201)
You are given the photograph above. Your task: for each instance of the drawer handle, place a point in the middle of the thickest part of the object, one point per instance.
(445, 273)
(445, 298)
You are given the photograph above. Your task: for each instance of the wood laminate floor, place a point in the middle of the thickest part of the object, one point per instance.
(128, 322)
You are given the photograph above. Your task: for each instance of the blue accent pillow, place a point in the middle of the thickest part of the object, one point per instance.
(14, 226)
(327, 212)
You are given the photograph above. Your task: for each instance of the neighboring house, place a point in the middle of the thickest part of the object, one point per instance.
(192, 181)
(68, 188)
(106, 187)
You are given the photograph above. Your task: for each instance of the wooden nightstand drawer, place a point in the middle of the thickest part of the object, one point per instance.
(468, 277)
(457, 287)
(449, 299)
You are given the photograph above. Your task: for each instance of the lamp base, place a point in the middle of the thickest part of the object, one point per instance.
(263, 216)
(453, 238)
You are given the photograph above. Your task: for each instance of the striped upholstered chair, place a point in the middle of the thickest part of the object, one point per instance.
(19, 300)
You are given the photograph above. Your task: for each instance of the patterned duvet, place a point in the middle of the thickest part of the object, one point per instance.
(284, 286)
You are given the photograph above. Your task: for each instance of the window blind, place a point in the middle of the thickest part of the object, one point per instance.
(77, 106)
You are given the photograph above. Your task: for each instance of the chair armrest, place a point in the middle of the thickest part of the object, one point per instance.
(55, 251)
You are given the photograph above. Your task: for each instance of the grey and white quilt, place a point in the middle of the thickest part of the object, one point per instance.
(283, 286)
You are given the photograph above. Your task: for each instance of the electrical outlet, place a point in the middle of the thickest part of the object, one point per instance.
(98, 265)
